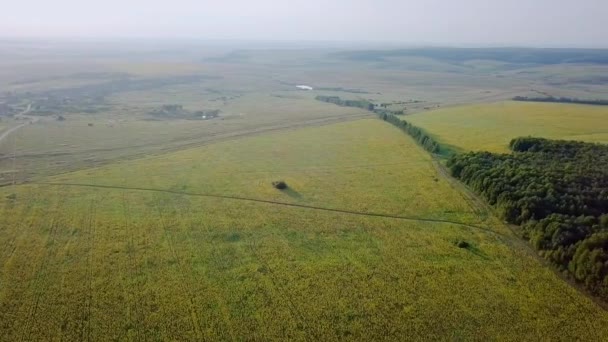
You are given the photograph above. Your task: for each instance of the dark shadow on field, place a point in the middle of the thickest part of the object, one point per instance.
(292, 193)
(473, 249)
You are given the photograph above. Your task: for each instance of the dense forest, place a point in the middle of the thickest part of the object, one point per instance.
(557, 191)
(561, 100)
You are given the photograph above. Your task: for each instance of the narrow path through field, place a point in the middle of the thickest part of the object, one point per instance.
(8, 132)
(479, 207)
(342, 211)
(194, 142)
(13, 129)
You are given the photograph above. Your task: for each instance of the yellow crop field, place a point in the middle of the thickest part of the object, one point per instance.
(197, 245)
(490, 127)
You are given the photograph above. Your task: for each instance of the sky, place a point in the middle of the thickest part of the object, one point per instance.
(566, 23)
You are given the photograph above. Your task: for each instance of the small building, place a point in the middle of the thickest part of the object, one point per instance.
(304, 87)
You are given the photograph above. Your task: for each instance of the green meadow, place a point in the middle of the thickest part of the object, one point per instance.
(198, 245)
(490, 127)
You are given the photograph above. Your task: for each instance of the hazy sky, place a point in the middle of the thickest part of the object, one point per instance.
(455, 22)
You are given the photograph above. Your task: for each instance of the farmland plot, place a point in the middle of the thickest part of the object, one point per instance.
(198, 245)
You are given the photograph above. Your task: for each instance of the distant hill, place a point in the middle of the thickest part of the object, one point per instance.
(507, 55)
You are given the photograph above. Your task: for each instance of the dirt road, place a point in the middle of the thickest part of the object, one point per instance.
(8, 132)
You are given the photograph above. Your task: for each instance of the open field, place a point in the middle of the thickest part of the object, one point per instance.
(106, 93)
(146, 252)
(490, 127)
(4, 127)
(50, 146)
(135, 216)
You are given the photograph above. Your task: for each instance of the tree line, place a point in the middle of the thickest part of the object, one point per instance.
(561, 100)
(421, 137)
(557, 191)
(415, 132)
(346, 103)
(525, 56)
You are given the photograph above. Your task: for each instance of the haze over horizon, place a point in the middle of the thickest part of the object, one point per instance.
(542, 23)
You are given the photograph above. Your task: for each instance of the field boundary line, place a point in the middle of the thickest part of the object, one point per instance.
(185, 144)
(286, 204)
(477, 205)
(196, 142)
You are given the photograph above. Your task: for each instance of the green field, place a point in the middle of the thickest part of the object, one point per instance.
(50, 146)
(490, 127)
(197, 245)
(123, 221)
(106, 100)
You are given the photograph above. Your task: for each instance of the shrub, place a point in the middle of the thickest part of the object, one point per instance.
(281, 185)
(462, 244)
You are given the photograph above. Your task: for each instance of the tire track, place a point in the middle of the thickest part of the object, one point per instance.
(26, 206)
(293, 205)
(86, 333)
(181, 210)
(23, 227)
(133, 270)
(192, 307)
(229, 326)
(479, 207)
(296, 313)
(40, 285)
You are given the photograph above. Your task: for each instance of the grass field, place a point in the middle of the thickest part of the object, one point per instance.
(134, 227)
(149, 252)
(490, 127)
(50, 146)
(115, 87)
